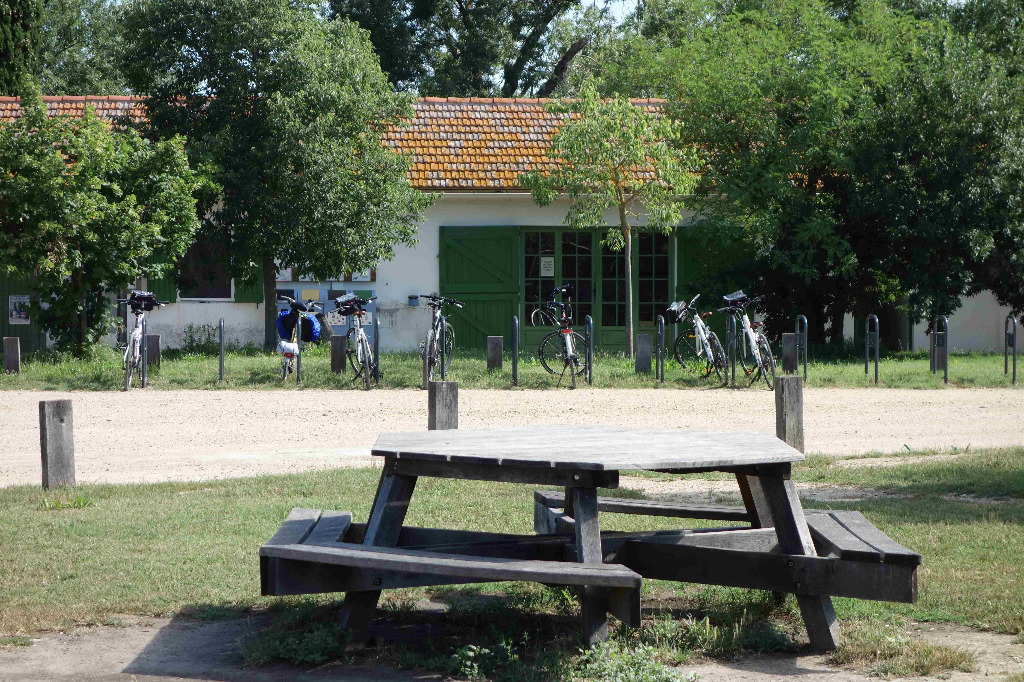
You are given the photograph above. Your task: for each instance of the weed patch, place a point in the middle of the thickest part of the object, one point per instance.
(885, 650)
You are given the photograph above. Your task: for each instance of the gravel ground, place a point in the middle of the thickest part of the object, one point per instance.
(194, 435)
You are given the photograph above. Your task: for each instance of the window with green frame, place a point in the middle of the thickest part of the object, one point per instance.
(537, 247)
(653, 280)
(613, 287)
(577, 268)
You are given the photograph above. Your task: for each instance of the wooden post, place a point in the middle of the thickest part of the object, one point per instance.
(789, 354)
(495, 348)
(153, 349)
(442, 405)
(643, 353)
(789, 410)
(339, 348)
(12, 355)
(57, 443)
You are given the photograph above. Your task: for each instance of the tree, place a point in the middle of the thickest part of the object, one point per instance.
(613, 155)
(19, 42)
(461, 47)
(289, 111)
(78, 52)
(85, 211)
(855, 151)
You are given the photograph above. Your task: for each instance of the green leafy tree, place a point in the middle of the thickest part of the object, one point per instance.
(289, 109)
(611, 155)
(20, 34)
(462, 47)
(85, 211)
(78, 53)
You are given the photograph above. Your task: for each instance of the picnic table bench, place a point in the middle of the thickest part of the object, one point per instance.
(771, 544)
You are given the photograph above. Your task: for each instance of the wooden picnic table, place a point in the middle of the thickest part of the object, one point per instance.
(776, 548)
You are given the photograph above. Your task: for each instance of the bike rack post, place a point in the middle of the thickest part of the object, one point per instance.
(1010, 342)
(801, 340)
(444, 330)
(940, 340)
(589, 322)
(730, 336)
(376, 348)
(145, 355)
(222, 349)
(515, 350)
(871, 341)
(659, 368)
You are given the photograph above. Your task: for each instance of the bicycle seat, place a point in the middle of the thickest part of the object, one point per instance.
(704, 315)
(755, 325)
(299, 306)
(735, 297)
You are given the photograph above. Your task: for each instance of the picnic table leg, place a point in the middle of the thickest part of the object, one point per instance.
(389, 507)
(588, 551)
(757, 507)
(795, 538)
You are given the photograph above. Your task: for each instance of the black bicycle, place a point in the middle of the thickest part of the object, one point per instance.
(561, 350)
(432, 346)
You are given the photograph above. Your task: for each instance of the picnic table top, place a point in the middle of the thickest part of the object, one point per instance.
(600, 448)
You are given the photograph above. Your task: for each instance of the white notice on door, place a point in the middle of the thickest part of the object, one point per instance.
(547, 266)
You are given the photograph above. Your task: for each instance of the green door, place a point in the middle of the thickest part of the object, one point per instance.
(14, 321)
(480, 266)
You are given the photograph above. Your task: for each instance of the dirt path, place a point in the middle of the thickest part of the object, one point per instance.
(177, 435)
(158, 649)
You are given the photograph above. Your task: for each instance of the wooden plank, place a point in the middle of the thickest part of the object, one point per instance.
(795, 539)
(596, 602)
(153, 350)
(892, 551)
(295, 529)
(789, 410)
(806, 576)
(832, 538)
(339, 353)
(477, 568)
(590, 447)
(57, 443)
(330, 528)
(619, 505)
(789, 357)
(534, 475)
(12, 355)
(442, 405)
(414, 536)
(643, 354)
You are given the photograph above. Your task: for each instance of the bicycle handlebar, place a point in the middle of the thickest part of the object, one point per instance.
(443, 299)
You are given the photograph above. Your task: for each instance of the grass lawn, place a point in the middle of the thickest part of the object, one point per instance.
(249, 368)
(90, 555)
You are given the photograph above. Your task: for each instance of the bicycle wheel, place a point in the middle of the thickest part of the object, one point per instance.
(572, 370)
(367, 362)
(449, 347)
(719, 359)
(767, 361)
(130, 360)
(687, 354)
(284, 368)
(432, 355)
(747, 360)
(542, 318)
(552, 352)
(352, 349)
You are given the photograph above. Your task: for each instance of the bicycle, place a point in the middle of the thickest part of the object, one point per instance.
(432, 346)
(360, 352)
(289, 324)
(699, 351)
(140, 303)
(560, 346)
(762, 362)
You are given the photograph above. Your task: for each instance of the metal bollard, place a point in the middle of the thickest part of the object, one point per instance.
(222, 349)
(589, 322)
(1010, 342)
(659, 369)
(515, 350)
(871, 341)
(376, 348)
(801, 340)
(940, 347)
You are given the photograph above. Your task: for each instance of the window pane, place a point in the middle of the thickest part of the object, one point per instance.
(547, 242)
(533, 266)
(568, 243)
(532, 242)
(202, 272)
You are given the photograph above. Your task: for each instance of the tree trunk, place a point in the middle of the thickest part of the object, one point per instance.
(269, 303)
(624, 226)
(83, 317)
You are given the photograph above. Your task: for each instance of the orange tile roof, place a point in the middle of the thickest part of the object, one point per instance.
(469, 144)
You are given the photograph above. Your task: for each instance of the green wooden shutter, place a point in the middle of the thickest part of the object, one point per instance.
(164, 288)
(480, 266)
(250, 293)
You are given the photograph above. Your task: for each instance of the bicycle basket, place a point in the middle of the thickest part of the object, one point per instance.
(142, 299)
(675, 313)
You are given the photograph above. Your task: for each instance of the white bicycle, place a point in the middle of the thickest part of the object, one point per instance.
(697, 349)
(360, 352)
(761, 363)
(140, 302)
